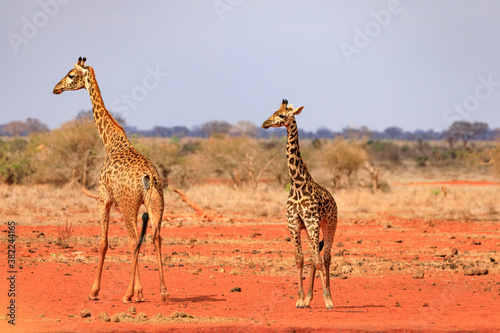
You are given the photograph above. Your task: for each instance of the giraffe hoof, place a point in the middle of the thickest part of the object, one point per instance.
(127, 299)
(329, 307)
(165, 296)
(93, 297)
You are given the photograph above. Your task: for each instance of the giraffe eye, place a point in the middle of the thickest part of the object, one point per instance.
(281, 116)
(71, 76)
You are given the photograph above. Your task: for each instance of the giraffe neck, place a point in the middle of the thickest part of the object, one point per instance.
(112, 134)
(297, 169)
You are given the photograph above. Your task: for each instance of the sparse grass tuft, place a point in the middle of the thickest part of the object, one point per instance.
(63, 235)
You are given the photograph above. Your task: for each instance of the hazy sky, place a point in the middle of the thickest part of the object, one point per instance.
(412, 64)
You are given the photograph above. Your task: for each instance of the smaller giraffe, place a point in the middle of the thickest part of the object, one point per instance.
(310, 206)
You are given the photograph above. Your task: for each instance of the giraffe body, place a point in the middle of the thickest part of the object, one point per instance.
(309, 206)
(127, 178)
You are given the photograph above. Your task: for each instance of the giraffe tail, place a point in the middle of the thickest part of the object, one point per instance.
(321, 244)
(146, 182)
(145, 218)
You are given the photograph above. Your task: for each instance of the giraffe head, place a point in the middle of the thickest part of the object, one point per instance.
(283, 117)
(75, 79)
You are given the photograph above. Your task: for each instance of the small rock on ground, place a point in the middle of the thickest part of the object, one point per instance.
(85, 313)
(104, 317)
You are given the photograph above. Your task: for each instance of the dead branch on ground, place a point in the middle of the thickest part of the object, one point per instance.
(199, 212)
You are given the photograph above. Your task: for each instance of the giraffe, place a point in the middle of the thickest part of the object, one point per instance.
(310, 206)
(127, 179)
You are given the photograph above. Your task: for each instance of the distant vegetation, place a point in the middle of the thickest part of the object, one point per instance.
(240, 154)
(459, 131)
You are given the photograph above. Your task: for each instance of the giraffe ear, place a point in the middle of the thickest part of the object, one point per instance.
(80, 70)
(297, 111)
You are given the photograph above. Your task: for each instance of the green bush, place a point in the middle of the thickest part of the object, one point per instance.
(15, 161)
(386, 151)
(71, 154)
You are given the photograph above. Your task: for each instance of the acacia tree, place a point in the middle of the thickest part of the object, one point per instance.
(215, 127)
(244, 128)
(393, 132)
(31, 125)
(465, 131)
(242, 159)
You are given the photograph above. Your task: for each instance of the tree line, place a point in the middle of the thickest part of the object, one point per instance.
(459, 131)
(72, 154)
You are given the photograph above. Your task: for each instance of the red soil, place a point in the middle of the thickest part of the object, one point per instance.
(453, 182)
(51, 291)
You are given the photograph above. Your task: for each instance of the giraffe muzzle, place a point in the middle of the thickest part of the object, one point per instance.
(266, 124)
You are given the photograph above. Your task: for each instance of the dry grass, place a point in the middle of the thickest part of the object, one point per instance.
(45, 204)
(267, 201)
(64, 234)
(462, 203)
(57, 205)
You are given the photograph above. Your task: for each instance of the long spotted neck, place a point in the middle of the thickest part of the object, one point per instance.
(112, 134)
(296, 166)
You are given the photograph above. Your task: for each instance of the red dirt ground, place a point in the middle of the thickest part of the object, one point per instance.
(380, 294)
(453, 182)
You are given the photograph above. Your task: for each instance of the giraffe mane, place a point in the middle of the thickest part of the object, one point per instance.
(113, 120)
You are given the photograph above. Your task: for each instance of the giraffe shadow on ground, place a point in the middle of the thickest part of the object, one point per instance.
(357, 308)
(195, 299)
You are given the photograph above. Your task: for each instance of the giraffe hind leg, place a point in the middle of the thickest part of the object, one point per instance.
(329, 233)
(317, 261)
(134, 287)
(314, 248)
(156, 213)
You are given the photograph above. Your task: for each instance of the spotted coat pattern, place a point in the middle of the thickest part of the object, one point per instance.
(127, 179)
(310, 206)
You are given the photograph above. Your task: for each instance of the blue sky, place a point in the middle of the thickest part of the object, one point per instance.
(411, 64)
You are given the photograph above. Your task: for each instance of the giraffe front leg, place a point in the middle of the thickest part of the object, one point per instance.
(96, 287)
(309, 296)
(294, 227)
(327, 296)
(104, 207)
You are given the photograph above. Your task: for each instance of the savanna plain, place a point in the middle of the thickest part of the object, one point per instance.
(416, 247)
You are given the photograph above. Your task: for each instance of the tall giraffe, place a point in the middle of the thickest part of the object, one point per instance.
(127, 179)
(310, 206)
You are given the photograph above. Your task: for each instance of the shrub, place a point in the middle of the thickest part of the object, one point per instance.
(342, 158)
(15, 161)
(386, 151)
(163, 153)
(71, 154)
(242, 159)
